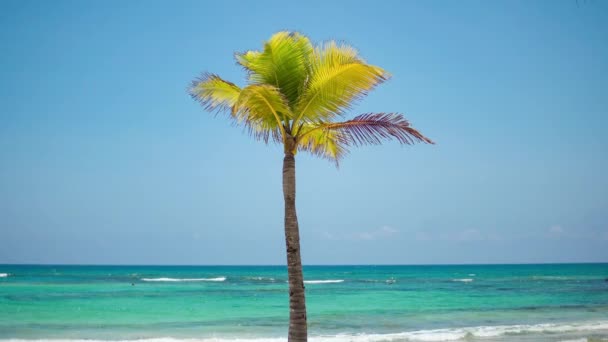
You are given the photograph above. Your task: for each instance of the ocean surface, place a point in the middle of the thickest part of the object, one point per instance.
(552, 302)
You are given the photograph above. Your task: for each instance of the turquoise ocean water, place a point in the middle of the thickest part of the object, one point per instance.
(554, 302)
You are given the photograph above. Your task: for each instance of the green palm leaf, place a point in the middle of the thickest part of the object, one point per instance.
(324, 143)
(338, 78)
(213, 92)
(283, 63)
(262, 106)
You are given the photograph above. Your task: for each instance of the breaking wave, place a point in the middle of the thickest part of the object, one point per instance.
(464, 280)
(453, 334)
(329, 281)
(267, 279)
(183, 279)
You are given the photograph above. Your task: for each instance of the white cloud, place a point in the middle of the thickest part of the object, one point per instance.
(469, 235)
(363, 236)
(327, 236)
(423, 236)
(464, 235)
(556, 230)
(383, 232)
(389, 230)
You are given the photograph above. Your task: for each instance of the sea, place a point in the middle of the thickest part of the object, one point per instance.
(545, 302)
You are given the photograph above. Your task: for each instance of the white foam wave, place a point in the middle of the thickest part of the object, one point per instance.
(464, 280)
(183, 279)
(492, 331)
(3, 275)
(260, 278)
(549, 278)
(418, 335)
(329, 281)
(471, 274)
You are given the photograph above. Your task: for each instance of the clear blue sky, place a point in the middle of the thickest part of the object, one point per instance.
(104, 158)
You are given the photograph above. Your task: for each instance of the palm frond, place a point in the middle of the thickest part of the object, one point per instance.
(213, 92)
(262, 106)
(338, 79)
(265, 131)
(332, 54)
(371, 129)
(284, 63)
(323, 143)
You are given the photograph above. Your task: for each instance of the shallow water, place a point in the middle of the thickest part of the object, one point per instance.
(345, 303)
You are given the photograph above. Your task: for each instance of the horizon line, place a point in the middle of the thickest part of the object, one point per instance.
(305, 265)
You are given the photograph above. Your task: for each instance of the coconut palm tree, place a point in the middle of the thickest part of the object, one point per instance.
(294, 94)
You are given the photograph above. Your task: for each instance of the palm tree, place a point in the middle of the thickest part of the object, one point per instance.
(295, 91)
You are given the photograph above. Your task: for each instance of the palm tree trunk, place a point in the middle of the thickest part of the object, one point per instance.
(297, 300)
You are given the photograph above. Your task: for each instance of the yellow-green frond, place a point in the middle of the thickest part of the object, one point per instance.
(283, 62)
(262, 105)
(322, 142)
(331, 54)
(214, 93)
(264, 130)
(338, 79)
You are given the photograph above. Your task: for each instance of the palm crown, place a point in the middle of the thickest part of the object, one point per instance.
(296, 91)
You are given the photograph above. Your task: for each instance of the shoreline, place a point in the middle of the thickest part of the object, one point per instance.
(563, 331)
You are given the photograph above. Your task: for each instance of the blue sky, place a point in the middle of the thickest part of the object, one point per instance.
(104, 158)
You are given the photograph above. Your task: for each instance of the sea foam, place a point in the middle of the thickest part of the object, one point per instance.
(549, 278)
(453, 334)
(329, 281)
(261, 279)
(3, 275)
(183, 279)
(464, 280)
